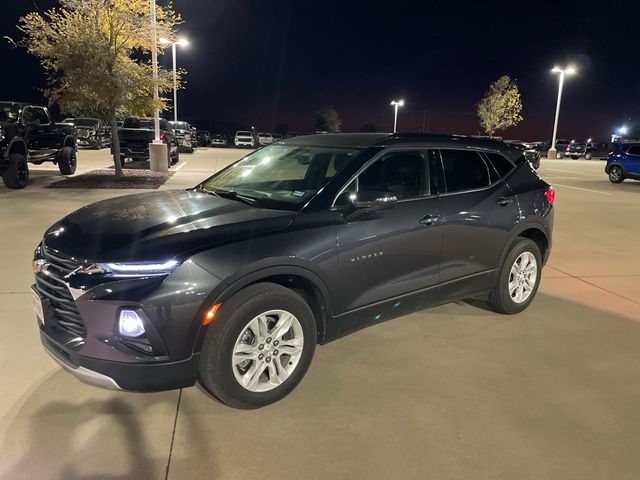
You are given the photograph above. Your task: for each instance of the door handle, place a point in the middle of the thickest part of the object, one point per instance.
(429, 220)
(504, 201)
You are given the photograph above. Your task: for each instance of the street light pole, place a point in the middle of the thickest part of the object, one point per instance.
(396, 104)
(562, 71)
(175, 83)
(183, 43)
(154, 61)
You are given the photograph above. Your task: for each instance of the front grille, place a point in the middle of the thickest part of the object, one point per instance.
(53, 289)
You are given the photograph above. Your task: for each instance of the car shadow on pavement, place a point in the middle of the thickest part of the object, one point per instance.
(90, 439)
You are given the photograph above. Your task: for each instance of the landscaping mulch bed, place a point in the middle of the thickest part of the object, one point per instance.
(105, 178)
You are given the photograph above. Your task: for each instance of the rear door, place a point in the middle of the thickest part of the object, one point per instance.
(397, 251)
(479, 211)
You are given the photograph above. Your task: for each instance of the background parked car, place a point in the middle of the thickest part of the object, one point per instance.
(137, 133)
(27, 134)
(624, 162)
(561, 147)
(219, 140)
(265, 138)
(530, 154)
(576, 150)
(244, 138)
(92, 132)
(203, 138)
(182, 132)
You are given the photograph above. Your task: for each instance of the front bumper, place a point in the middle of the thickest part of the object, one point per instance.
(136, 377)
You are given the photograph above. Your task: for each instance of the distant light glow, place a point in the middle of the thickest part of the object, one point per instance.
(623, 130)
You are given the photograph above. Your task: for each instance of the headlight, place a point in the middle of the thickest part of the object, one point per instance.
(135, 269)
(1, 134)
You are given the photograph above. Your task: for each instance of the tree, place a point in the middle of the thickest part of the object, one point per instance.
(501, 106)
(281, 129)
(96, 55)
(327, 120)
(369, 128)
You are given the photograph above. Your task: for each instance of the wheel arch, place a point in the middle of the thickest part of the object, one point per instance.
(17, 146)
(69, 141)
(533, 230)
(299, 279)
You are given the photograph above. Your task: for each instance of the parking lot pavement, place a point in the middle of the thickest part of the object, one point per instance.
(455, 392)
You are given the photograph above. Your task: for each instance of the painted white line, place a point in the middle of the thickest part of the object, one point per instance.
(180, 166)
(554, 184)
(573, 172)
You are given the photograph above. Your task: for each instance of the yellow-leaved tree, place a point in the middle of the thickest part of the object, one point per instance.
(97, 57)
(501, 106)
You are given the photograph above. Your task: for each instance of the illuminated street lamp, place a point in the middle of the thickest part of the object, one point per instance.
(562, 71)
(623, 130)
(182, 42)
(396, 104)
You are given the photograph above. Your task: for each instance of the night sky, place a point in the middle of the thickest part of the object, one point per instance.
(267, 62)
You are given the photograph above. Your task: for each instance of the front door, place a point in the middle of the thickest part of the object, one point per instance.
(394, 252)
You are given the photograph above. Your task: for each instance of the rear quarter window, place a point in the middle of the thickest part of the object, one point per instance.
(501, 165)
(464, 170)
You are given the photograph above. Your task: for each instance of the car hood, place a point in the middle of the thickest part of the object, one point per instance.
(158, 225)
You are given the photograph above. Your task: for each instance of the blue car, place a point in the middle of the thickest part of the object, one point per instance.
(624, 162)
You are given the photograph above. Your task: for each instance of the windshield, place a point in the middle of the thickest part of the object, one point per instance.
(9, 112)
(243, 134)
(146, 123)
(84, 122)
(282, 176)
(180, 125)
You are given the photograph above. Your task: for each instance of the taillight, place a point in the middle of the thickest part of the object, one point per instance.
(551, 195)
(162, 136)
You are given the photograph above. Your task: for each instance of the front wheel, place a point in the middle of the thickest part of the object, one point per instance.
(17, 173)
(587, 156)
(559, 155)
(616, 175)
(519, 278)
(259, 347)
(67, 161)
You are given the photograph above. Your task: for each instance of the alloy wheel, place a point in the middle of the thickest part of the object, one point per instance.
(523, 277)
(267, 351)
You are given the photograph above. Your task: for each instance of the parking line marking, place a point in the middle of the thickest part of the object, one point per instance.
(583, 189)
(180, 166)
(566, 171)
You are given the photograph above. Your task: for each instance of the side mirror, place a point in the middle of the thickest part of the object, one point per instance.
(367, 201)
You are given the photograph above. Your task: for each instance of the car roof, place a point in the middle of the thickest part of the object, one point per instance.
(396, 139)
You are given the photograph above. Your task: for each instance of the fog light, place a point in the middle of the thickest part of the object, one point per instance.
(130, 324)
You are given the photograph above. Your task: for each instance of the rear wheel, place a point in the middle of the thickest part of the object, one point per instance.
(259, 347)
(616, 175)
(559, 155)
(587, 156)
(17, 173)
(519, 278)
(67, 161)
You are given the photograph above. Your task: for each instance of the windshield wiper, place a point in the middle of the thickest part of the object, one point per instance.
(233, 195)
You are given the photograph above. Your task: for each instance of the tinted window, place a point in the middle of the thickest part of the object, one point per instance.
(138, 123)
(500, 163)
(35, 116)
(634, 150)
(464, 170)
(402, 173)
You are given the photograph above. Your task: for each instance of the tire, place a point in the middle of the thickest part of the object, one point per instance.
(97, 145)
(17, 173)
(574, 157)
(559, 155)
(587, 156)
(501, 299)
(233, 326)
(616, 175)
(67, 161)
(176, 158)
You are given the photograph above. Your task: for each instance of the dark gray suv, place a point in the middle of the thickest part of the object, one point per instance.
(234, 282)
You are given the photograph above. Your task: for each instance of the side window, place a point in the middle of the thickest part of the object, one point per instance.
(501, 165)
(401, 173)
(634, 150)
(464, 170)
(29, 117)
(41, 116)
